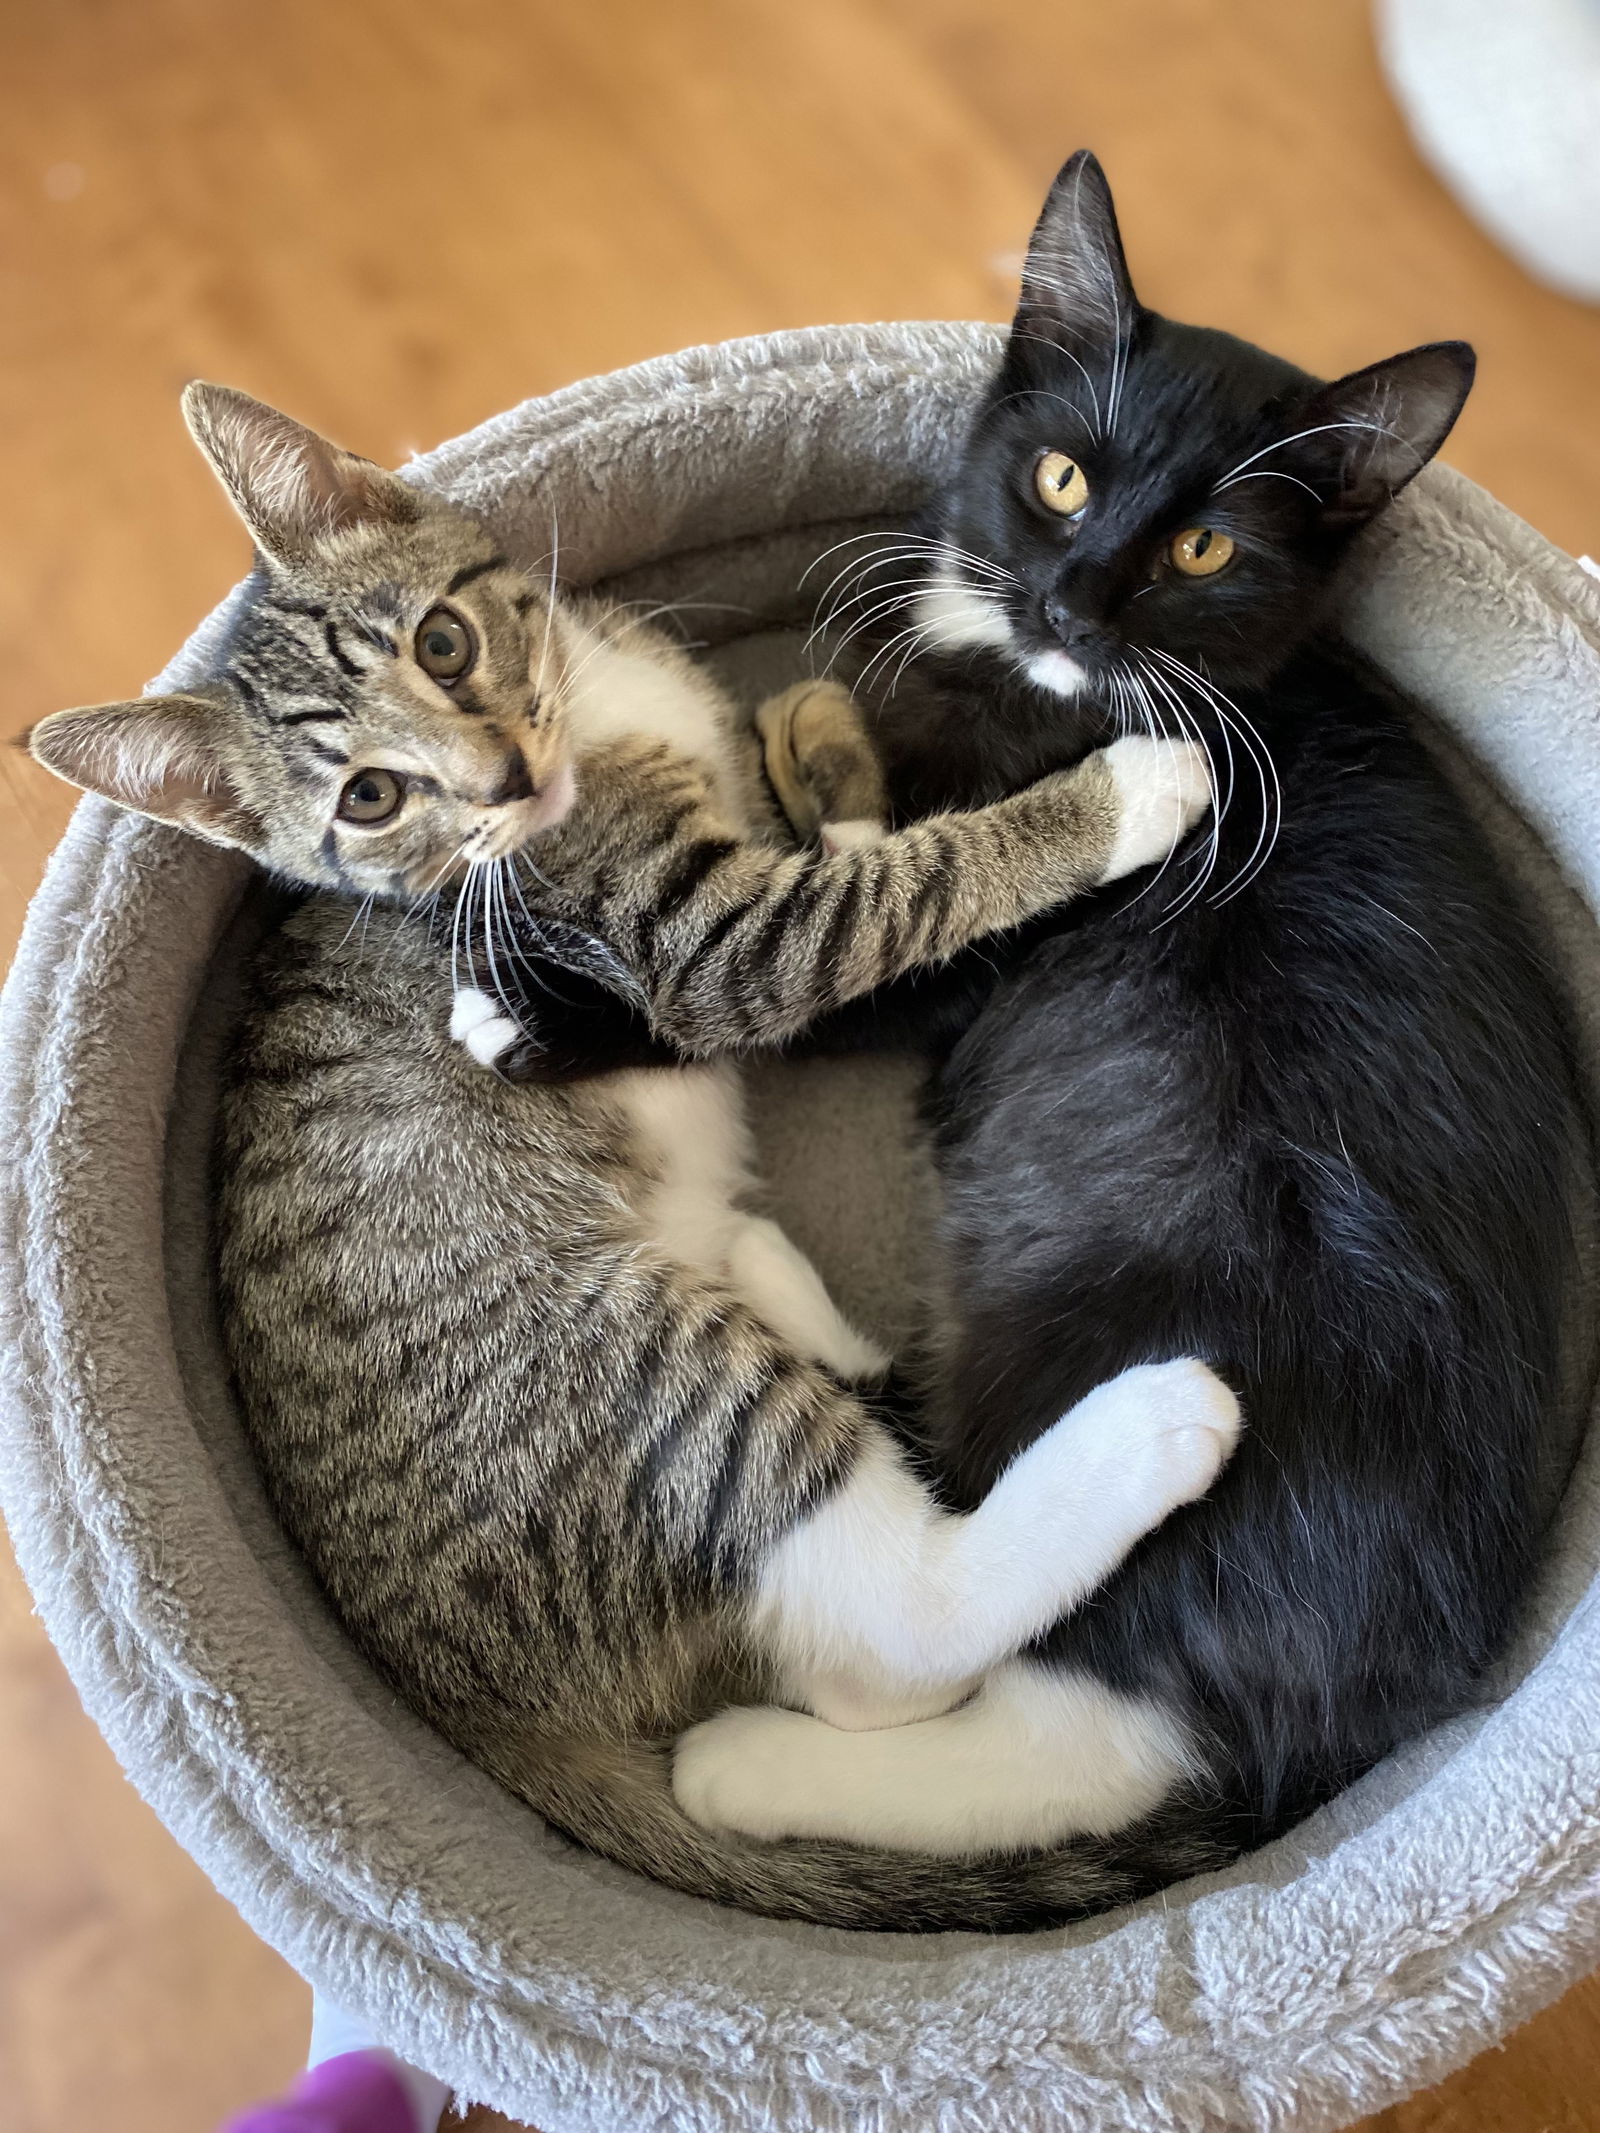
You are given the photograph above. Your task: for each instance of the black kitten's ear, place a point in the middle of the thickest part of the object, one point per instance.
(293, 489)
(160, 755)
(1378, 427)
(1075, 286)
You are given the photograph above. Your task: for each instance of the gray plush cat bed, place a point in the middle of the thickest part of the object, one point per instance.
(1438, 1903)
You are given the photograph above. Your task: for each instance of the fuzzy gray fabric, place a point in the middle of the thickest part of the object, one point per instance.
(1445, 1898)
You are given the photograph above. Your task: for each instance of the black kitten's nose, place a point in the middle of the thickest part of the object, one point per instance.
(517, 784)
(1074, 632)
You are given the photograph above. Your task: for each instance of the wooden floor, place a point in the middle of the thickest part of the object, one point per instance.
(396, 216)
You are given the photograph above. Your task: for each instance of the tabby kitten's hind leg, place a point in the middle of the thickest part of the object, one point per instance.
(1036, 1757)
(822, 765)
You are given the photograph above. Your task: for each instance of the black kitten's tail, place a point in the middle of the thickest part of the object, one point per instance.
(614, 1798)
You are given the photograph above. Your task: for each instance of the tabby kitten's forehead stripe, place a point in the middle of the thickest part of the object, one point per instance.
(469, 571)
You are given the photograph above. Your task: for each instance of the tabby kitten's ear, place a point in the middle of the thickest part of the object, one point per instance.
(1362, 438)
(159, 755)
(1076, 292)
(293, 489)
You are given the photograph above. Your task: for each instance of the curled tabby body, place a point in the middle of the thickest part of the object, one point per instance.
(571, 1434)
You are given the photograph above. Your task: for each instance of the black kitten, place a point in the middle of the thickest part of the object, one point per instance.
(1301, 1104)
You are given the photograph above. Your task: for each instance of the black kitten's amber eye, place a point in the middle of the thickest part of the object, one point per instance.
(444, 645)
(1200, 552)
(1062, 484)
(371, 796)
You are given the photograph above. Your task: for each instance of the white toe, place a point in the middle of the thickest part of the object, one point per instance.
(490, 1039)
(468, 1010)
(852, 835)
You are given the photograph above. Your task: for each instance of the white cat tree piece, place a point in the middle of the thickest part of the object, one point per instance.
(1503, 98)
(1445, 1898)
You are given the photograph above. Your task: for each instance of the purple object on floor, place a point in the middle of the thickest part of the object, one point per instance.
(359, 2092)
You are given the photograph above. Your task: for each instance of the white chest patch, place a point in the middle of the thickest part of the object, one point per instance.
(618, 692)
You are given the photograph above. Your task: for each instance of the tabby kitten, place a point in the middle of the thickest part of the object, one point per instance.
(564, 1428)
(1303, 1105)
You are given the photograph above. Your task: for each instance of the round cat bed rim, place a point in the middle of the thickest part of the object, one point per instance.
(96, 857)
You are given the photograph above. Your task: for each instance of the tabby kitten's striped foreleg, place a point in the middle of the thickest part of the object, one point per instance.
(821, 764)
(736, 944)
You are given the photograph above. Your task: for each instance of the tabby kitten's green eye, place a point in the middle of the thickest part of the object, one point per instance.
(1062, 484)
(444, 645)
(371, 796)
(1200, 552)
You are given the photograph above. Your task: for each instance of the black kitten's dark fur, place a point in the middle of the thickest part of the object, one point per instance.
(1313, 1120)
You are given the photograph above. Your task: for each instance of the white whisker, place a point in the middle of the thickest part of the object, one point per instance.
(1157, 731)
(1244, 728)
(1193, 732)
(886, 652)
(362, 910)
(550, 605)
(1040, 392)
(1056, 348)
(1317, 429)
(1270, 474)
(490, 916)
(904, 537)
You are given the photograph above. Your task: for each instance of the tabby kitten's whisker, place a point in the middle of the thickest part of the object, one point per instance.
(461, 923)
(571, 675)
(360, 912)
(496, 930)
(670, 610)
(542, 681)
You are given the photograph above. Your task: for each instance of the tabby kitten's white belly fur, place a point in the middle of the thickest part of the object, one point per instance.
(562, 1426)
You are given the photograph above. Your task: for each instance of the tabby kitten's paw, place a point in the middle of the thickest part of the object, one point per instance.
(483, 1026)
(851, 836)
(750, 1770)
(1163, 789)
